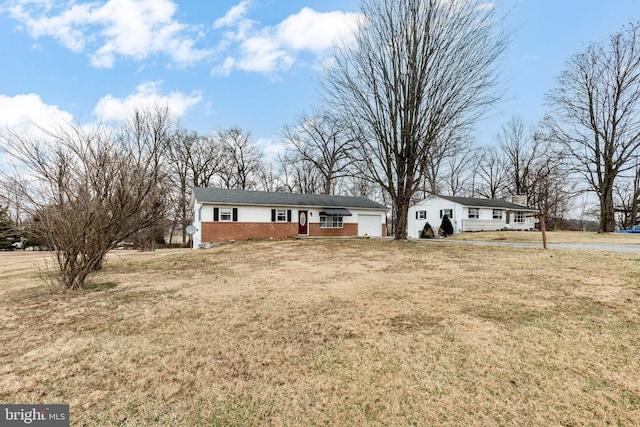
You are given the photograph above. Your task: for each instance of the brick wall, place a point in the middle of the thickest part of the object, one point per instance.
(347, 230)
(225, 231)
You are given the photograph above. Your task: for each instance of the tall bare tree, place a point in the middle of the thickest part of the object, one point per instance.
(458, 174)
(241, 162)
(299, 176)
(520, 150)
(180, 149)
(206, 160)
(324, 140)
(491, 172)
(627, 198)
(595, 113)
(418, 70)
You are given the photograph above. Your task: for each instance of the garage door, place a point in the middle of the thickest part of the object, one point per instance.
(369, 224)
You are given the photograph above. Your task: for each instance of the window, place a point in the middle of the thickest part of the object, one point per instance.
(518, 217)
(330, 221)
(497, 214)
(281, 215)
(447, 212)
(225, 214)
(421, 214)
(474, 213)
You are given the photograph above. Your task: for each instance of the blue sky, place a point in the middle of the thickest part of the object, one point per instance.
(250, 63)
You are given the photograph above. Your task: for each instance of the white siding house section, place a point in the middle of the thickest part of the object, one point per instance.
(197, 222)
(473, 215)
(369, 221)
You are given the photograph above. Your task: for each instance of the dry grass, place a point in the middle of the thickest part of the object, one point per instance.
(331, 332)
(552, 237)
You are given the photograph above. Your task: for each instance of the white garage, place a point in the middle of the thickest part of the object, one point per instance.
(370, 224)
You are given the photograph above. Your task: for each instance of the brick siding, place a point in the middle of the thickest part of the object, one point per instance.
(225, 231)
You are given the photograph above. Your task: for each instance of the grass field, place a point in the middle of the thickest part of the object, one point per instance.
(330, 332)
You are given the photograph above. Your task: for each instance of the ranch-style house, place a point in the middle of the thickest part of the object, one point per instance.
(221, 215)
(469, 214)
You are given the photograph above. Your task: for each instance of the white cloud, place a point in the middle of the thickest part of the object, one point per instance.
(234, 15)
(128, 28)
(271, 148)
(270, 49)
(224, 69)
(147, 95)
(27, 111)
(316, 31)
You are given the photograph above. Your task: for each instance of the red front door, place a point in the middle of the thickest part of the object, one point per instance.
(303, 222)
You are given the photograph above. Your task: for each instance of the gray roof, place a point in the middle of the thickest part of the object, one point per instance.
(486, 203)
(243, 197)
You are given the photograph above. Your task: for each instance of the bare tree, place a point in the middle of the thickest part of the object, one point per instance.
(520, 150)
(88, 190)
(458, 174)
(418, 70)
(241, 162)
(627, 198)
(595, 113)
(180, 149)
(206, 160)
(324, 140)
(441, 155)
(491, 172)
(300, 176)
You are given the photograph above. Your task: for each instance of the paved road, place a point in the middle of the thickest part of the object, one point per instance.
(605, 247)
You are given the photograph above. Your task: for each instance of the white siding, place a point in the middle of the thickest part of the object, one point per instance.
(460, 219)
(433, 206)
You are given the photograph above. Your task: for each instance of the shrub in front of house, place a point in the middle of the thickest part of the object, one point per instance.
(427, 232)
(447, 228)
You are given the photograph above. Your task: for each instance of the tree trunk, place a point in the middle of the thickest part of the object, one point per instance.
(607, 211)
(401, 207)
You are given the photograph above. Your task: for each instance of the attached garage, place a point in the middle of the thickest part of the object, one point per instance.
(370, 224)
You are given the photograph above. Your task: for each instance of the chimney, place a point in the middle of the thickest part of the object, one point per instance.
(520, 199)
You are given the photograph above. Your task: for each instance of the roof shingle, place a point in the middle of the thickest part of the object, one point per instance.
(245, 197)
(485, 203)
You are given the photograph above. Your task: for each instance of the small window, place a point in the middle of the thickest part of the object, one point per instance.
(474, 213)
(421, 214)
(497, 214)
(330, 221)
(281, 215)
(225, 214)
(447, 212)
(518, 217)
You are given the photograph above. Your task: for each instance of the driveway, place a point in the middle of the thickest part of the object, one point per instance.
(604, 247)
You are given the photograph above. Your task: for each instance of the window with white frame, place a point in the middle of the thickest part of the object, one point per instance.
(474, 213)
(447, 212)
(225, 214)
(497, 214)
(330, 221)
(518, 216)
(281, 215)
(421, 214)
